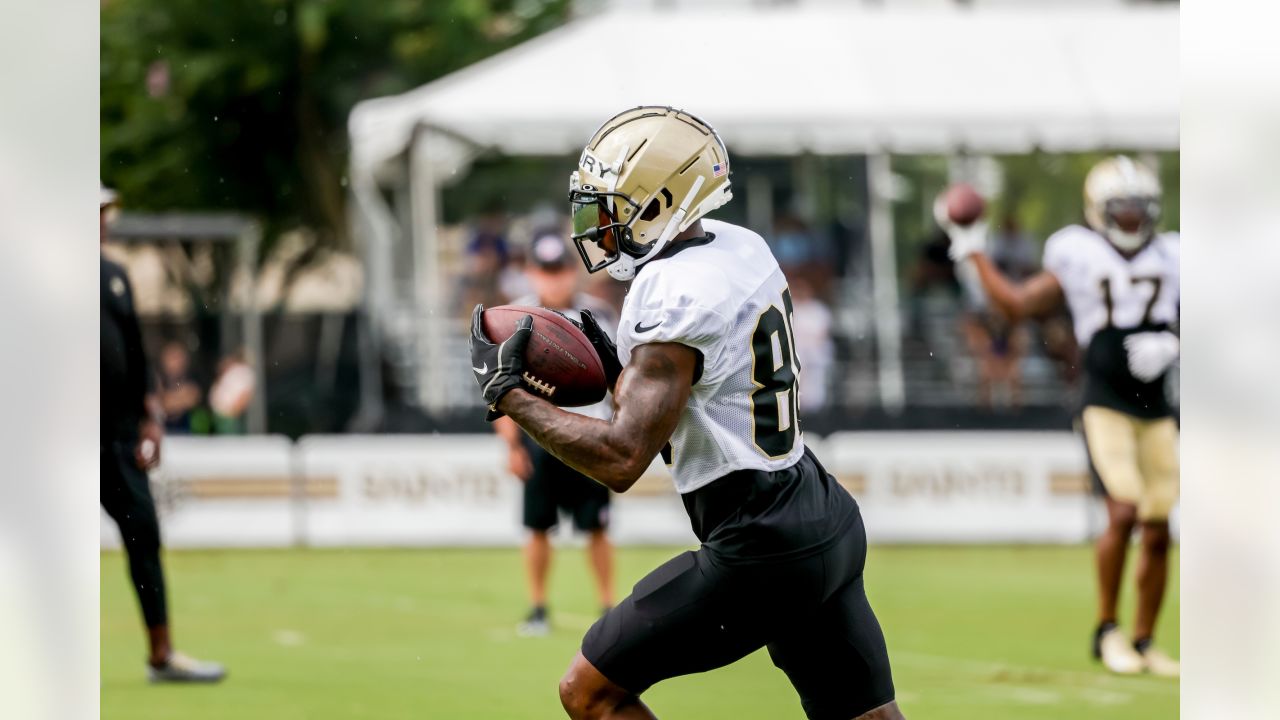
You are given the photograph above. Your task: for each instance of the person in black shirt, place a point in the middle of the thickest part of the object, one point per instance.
(132, 427)
(550, 486)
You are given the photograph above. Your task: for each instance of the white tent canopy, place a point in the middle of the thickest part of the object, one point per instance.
(823, 80)
(774, 81)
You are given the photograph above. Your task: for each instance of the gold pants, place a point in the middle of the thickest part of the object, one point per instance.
(1136, 459)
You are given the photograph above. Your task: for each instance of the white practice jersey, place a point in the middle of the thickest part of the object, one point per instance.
(1106, 290)
(1111, 297)
(606, 317)
(728, 299)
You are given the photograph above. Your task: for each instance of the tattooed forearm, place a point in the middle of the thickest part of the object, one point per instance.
(648, 400)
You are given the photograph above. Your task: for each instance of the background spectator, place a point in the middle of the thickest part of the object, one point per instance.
(1012, 250)
(179, 393)
(231, 394)
(811, 323)
(487, 255)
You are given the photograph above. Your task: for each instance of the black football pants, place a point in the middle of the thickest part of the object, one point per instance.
(126, 496)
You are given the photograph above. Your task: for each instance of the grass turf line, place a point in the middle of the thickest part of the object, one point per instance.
(973, 632)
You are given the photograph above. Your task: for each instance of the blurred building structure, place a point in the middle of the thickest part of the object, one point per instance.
(290, 321)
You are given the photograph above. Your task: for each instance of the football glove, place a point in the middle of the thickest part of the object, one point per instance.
(498, 367)
(1151, 354)
(965, 239)
(605, 347)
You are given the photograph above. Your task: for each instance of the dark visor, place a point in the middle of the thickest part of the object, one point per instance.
(1132, 214)
(598, 230)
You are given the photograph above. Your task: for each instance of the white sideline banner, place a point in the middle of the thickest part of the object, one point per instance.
(967, 486)
(408, 490)
(222, 492)
(442, 490)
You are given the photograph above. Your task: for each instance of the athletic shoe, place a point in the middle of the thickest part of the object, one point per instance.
(1117, 653)
(185, 669)
(535, 625)
(1159, 663)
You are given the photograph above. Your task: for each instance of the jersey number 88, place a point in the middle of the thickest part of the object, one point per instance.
(774, 406)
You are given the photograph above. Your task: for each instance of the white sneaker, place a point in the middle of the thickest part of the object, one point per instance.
(1118, 655)
(536, 625)
(1159, 663)
(184, 668)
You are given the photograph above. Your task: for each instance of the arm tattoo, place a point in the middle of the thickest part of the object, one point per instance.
(649, 398)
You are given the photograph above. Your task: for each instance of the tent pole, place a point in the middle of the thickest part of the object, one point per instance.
(251, 329)
(429, 293)
(372, 229)
(760, 204)
(884, 278)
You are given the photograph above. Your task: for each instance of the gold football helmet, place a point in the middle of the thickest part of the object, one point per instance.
(1122, 201)
(646, 175)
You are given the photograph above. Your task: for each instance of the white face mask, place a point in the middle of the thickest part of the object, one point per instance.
(1126, 241)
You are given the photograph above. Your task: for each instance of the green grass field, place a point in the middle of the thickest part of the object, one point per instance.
(973, 633)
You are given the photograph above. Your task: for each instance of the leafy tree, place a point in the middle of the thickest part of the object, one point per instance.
(242, 104)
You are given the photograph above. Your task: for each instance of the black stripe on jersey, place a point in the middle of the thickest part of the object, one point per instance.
(677, 247)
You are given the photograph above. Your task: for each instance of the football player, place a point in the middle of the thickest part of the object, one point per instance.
(705, 374)
(1119, 277)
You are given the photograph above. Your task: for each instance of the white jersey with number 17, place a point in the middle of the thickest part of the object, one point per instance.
(1106, 289)
(1111, 296)
(725, 297)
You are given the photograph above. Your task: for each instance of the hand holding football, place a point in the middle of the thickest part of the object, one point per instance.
(560, 364)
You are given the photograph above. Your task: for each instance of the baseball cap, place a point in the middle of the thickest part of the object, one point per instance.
(106, 196)
(549, 251)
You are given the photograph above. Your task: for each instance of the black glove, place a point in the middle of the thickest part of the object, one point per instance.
(498, 367)
(605, 348)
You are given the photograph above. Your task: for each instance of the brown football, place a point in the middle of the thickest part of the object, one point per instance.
(560, 364)
(964, 204)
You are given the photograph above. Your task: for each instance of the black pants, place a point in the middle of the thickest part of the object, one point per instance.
(126, 496)
(696, 613)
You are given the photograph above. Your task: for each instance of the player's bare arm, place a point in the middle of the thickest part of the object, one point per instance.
(650, 395)
(1036, 296)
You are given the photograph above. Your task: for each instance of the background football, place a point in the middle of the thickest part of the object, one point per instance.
(560, 363)
(964, 204)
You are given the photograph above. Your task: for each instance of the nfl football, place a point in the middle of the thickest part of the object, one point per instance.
(560, 364)
(964, 204)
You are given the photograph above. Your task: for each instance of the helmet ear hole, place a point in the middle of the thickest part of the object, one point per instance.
(652, 210)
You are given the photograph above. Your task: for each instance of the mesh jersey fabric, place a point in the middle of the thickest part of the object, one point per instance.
(714, 297)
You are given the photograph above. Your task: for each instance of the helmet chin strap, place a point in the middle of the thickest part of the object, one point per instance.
(625, 267)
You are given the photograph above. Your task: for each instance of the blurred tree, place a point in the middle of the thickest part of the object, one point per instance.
(242, 104)
(1046, 191)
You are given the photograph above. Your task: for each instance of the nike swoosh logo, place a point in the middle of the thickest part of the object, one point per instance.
(642, 329)
(482, 369)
